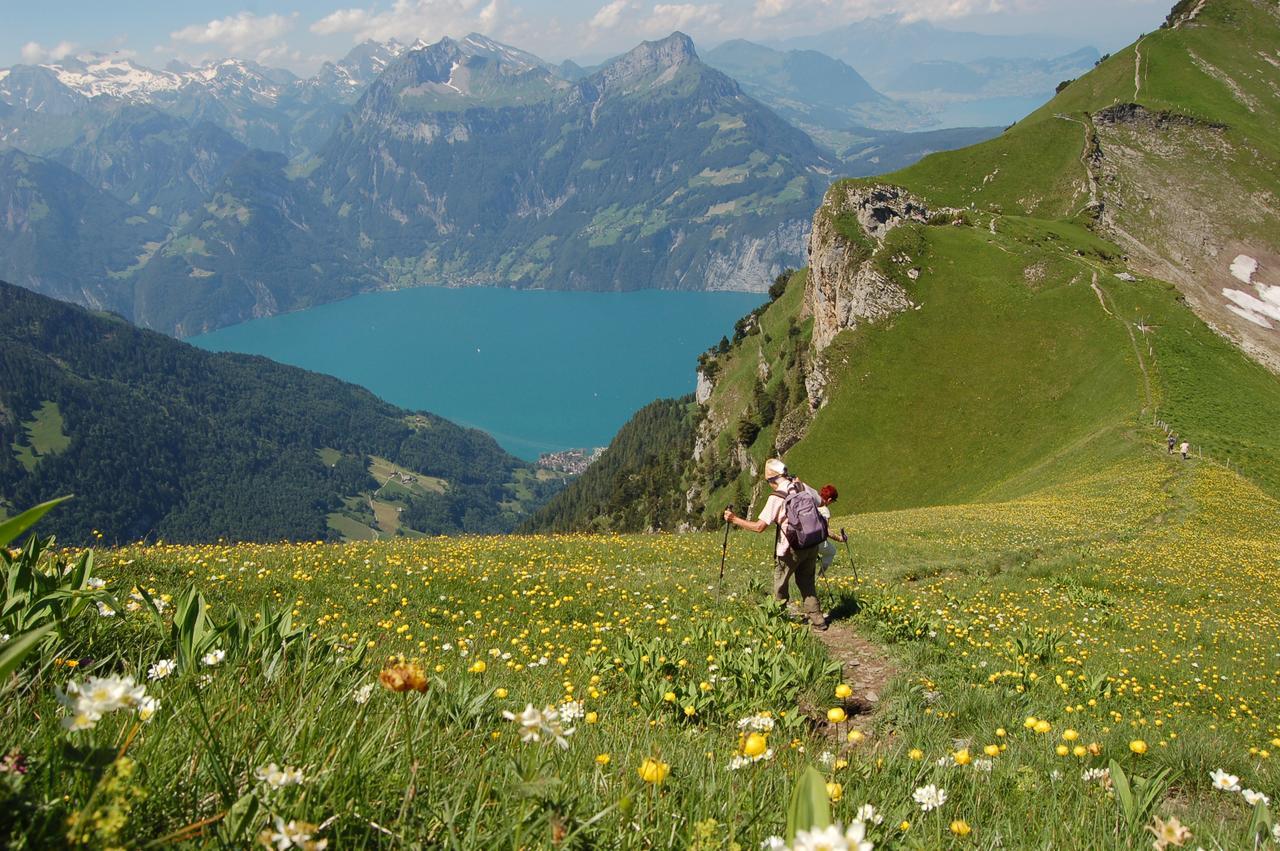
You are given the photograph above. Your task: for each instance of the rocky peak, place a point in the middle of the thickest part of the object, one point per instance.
(649, 58)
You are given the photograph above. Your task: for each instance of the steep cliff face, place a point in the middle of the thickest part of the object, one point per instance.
(848, 283)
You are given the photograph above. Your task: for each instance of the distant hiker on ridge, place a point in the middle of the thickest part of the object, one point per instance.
(1173, 440)
(1185, 448)
(793, 509)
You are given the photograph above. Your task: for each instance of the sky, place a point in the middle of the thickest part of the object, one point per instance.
(300, 35)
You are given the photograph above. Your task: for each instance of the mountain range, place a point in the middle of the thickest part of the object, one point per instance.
(462, 162)
(193, 198)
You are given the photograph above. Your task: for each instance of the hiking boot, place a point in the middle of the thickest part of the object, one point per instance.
(820, 627)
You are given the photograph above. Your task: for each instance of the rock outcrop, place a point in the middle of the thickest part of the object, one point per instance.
(846, 285)
(845, 288)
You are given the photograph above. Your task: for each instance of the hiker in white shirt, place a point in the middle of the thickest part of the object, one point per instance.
(801, 564)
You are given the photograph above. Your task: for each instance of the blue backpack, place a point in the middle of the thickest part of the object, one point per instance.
(805, 526)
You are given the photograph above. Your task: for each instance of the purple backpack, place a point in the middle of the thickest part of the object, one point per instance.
(805, 526)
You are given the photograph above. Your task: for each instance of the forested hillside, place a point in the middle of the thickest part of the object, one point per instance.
(158, 439)
(635, 486)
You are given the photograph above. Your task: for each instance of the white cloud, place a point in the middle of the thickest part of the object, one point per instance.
(668, 17)
(425, 19)
(34, 52)
(237, 33)
(341, 21)
(608, 16)
(843, 11)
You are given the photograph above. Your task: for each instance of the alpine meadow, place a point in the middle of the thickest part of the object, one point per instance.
(1042, 370)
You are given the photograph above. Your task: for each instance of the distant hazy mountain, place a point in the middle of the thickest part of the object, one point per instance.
(880, 48)
(812, 90)
(991, 77)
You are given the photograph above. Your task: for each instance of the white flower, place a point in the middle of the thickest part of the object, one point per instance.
(4, 637)
(868, 813)
(95, 583)
(856, 836)
(983, 764)
(147, 708)
(361, 695)
(294, 835)
(1275, 832)
(97, 696)
(826, 757)
(213, 657)
(161, 669)
(277, 777)
(739, 762)
(1254, 798)
(105, 611)
(1055, 775)
(774, 843)
(446, 647)
(1225, 782)
(929, 797)
(572, 710)
(829, 838)
(534, 725)
(1102, 775)
(759, 723)
(530, 722)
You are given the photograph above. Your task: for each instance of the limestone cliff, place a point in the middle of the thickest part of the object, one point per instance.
(847, 285)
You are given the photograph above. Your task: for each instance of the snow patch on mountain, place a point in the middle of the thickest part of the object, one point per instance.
(1259, 309)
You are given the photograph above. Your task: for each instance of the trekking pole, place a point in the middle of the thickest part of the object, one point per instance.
(845, 535)
(724, 553)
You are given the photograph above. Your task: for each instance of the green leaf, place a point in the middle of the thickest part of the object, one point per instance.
(13, 651)
(1124, 794)
(11, 529)
(810, 807)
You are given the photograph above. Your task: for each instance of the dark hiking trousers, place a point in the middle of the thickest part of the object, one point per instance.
(803, 565)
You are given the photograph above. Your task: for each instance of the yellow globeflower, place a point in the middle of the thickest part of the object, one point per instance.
(478, 667)
(1079, 751)
(1070, 735)
(843, 691)
(835, 792)
(960, 827)
(755, 745)
(653, 771)
(500, 693)
(1043, 726)
(836, 715)
(1062, 750)
(602, 759)
(1138, 746)
(962, 757)
(669, 697)
(690, 711)
(1031, 722)
(855, 737)
(915, 753)
(991, 750)
(592, 717)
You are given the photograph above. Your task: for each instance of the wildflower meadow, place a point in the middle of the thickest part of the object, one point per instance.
(1096, 666)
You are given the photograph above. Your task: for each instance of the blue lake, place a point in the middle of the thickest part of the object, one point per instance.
(540, 371)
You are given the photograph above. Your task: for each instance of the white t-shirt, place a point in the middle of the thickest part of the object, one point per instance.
(774, 512)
